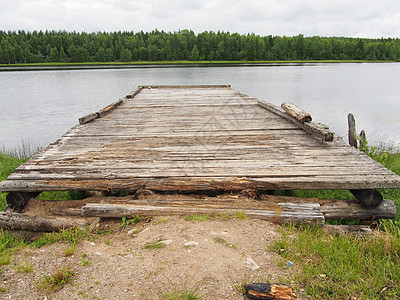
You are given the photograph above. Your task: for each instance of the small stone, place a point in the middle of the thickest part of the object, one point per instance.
(97, 253)
(165, 242)
(252, 264)
(132, 231)
(322, 275)
(191, 243)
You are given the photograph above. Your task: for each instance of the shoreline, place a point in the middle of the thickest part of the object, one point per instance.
(170, 64)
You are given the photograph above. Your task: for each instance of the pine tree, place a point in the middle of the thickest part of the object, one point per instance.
(194, 56)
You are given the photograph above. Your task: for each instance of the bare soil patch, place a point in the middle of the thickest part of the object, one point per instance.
(118, 265)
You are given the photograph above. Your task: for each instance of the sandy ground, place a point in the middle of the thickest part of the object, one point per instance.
(224, 255)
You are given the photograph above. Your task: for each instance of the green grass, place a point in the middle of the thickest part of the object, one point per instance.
(7, 166)
(24, 267)
(71, 235)
(56, 281)
(343, 267)
(199, 218)
(9, 243)
(186, 295)
(131, 221)
(154, 245)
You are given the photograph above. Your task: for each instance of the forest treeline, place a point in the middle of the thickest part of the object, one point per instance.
(62, 46)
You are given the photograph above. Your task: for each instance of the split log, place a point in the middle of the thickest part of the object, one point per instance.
(342, 210)
(269, 291)
(16, 221)
(278, 217)
(296, 112)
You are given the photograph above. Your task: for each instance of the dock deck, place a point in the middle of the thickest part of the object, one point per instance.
(193, 138)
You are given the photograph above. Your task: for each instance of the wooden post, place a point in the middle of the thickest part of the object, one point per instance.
(17, 200)
(352, 130)
(363, 139)
(368, 198)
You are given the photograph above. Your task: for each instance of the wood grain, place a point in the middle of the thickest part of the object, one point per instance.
(197, 138)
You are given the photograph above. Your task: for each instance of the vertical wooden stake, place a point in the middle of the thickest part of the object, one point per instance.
(363, 139)
(352, 130)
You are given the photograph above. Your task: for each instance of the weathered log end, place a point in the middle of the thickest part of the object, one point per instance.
(17, 200)
(296, 112)
(269, 291)
(16, 221)
(368, 198)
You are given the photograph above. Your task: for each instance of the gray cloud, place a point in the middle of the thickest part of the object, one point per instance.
(365, 18)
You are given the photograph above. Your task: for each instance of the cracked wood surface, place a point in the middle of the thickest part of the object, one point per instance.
(197, 138)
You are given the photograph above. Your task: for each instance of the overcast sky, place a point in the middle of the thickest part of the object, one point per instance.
(356, 18)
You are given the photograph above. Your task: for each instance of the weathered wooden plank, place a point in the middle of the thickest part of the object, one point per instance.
(105, 172)
(202, 183)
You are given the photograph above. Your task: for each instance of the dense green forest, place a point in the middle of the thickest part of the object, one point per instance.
(62, 46)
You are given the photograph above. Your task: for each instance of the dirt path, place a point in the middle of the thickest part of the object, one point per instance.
(222, 255)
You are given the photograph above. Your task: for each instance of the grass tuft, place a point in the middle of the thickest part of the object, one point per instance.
(25, 267)
(71, 235)
(200, 218)
(186, 295)
(55, 282)
(131, 221)
(154, 245)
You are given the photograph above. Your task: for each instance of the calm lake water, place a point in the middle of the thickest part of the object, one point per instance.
(40, 106)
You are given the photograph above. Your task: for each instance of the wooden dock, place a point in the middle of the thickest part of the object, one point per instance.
(196, 138)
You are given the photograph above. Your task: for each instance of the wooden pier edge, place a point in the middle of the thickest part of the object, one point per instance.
(320, 131)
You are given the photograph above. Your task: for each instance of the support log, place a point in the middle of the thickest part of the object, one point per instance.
(342, 210)
(368, 198)
(16, 221)
(17, 200)
(353, 230)
(278, 217)
(296, 112)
